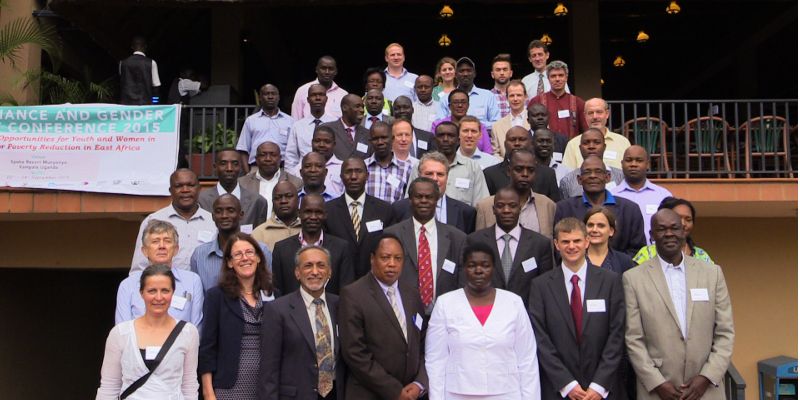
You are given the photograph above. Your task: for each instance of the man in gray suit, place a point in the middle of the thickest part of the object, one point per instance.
(679, 330)
(262, 180)
(228, 167)
(352, 139)
(432, 249)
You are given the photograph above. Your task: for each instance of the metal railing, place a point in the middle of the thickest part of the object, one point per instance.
(734, 384)
(208, 129)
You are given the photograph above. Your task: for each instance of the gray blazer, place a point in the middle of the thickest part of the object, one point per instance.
(254, 206)
(250, 182)
(345, 146)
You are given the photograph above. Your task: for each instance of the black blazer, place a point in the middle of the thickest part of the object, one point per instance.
(616, 261)
(380, 362)
(283, 263)
(340, 225)
(543, 183)
(425, 136)
(289, 368)
(459, 214)
(629, 235)
(531, 245)
(559, 141)
(345, 146)
(597, 357)
(220, 338)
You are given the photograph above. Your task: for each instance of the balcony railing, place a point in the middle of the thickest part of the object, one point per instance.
(685, 138)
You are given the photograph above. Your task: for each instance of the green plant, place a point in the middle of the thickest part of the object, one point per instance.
(25, 30)
(212, 140)
(57, 89)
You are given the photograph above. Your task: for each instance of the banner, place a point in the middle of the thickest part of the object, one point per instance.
(89, 147)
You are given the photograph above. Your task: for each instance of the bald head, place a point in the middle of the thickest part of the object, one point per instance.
(667, 231)
(635, 164)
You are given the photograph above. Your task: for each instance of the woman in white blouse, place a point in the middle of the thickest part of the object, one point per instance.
(480, 343)
(132, 348)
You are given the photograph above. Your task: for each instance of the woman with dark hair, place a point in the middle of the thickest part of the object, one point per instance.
(230, 343)
(153, 356)
(601, 225)
(479, 342)
(444, 77)
(685, 209)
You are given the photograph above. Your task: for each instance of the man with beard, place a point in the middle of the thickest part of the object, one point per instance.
(501, 74)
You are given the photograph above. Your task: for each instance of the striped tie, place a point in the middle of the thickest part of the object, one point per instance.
(400, 319)
(355, 218)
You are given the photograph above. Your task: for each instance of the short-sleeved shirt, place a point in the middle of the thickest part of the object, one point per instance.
(482, 105)
(259, 128)
(616, 145)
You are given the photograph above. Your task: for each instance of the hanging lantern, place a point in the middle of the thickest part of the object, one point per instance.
(561, 10)
(673, 8)
(602, 82)
(546, 39)
(642, 37)
(446, 11)
(619, 62)
(444, 40)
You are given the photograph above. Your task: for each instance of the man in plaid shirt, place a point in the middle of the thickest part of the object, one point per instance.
(501, 73)
(388, 176)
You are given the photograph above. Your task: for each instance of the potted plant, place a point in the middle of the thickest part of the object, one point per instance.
(204, 145)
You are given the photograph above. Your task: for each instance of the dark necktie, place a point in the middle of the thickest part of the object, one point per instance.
(577, 307)
(317, 122)
(540, 85)
(373, 119)
(350, 134)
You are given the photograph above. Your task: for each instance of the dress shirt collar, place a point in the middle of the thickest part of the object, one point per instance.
(459, 159)
(334, 86)
(275, 178)
(666, 266)
(474, 90)
(405, 72)
(237, 191)
(531, 200)
(214, 248)
(610, 199)
(303, 242)
(344, 124)
(568, 273)
(174, 213)
(308, 298)
(386, 287)
(553, 95)
(333, 161)
(428, 104)
(515, 233)
(349, 200)
(279, 114)
(324, 118)
(430, 226)
(141, 53)
(625, 187)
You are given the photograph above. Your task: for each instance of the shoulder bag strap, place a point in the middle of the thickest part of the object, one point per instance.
(161, 353)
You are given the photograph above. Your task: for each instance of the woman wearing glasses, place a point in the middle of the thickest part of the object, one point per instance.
(230, 340)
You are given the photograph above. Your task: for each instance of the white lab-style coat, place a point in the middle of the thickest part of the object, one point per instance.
(497, 360)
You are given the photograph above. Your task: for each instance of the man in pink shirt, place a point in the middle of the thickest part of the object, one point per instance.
(326, 71)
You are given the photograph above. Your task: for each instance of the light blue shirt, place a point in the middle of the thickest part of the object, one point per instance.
(187, 300)
(401, 86)
(207, 262)
(648, 198)
(260, 127)
(482, 105)
(441, 210)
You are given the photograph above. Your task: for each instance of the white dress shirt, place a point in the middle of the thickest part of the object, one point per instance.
(265, 187)
(311, 309)
(515, 233)
(676, 282)
(349, 200)
(299, 142)
(237, 191)
(531, 82)
(433, 244)
(484, 160)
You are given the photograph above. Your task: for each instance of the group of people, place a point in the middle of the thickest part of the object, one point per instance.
(425, 240)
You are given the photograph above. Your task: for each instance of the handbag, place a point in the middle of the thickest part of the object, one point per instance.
(160, 356)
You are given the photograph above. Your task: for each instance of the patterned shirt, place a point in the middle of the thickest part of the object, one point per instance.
(387, 183)
(502, 102)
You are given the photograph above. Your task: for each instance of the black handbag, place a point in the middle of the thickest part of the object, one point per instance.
(161, 353)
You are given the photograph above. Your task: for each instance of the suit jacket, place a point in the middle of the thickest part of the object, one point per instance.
(450, 246)
(254, 206)
(339, 224)
(545, 210)
(380, 361)
(427, 138)
(251, 183)
(345, 145)
(289, 368)
(386, 118)
(459, 214)
(596, 358)
(543, 183)
(657, 350)
(283, 263)
(531, 246)
(499, 130)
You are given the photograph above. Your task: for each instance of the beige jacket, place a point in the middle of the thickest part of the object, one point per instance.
(274, 230)
(545, 210)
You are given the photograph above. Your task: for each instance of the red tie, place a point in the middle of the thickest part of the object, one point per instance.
(350, 134)
(576, 306)
(373, 119)
(425, 271)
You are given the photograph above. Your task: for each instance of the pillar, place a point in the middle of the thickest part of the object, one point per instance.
(585, 44)
(226, 50)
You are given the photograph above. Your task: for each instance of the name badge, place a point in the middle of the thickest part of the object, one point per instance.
(563, 113)
(422, 144)
(462, 183)
(610, 155)
(418, 321)
(264, 296)
(178, 302)
(529, 264)
(408, 84)
(374, 225)
(151, 352)
(449, 266)
(598, 305)
(699, 294)
(392, 180)
(650, 209)
(205, 236)
(558, 156)
(361, 147)
(247, 228)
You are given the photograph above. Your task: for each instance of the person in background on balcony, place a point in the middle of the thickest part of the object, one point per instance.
(230, 344)
(445, 78)
(601, 225)
(501, 74)
(326, 71)
(539, 118)
(481, 102)
(207, 258)
(302, 132)
(193, 223)
(314, 173)
(591, 144)
(228, 168)
(133, 346)
(262, 180)
(139, 80)
(516, 116)
(536, 82)
(566, 110)
(284, 221)
(629, 234)
(388, 176)
(686, 211)
(269, 123)
(185, 86)
(374, 103)
(159, 245)
(375, 79)
(425, 106)
(458, 101)
(352, 139)
(399, 81)
(679, 341)
(637, 188)
(596, 113)
(543, 149)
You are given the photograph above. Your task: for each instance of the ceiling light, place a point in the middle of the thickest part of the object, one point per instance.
(619, 62)
(546, 39)
(642, 37)
(673, 8)
(446, 12)
(560, 10)
(444, 40)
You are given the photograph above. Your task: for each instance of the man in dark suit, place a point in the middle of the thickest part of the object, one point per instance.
(422, 140)
(371, 214)
(449, 211)
(432, 249)
(519, 254)
(300, 350)
(262, 180)
(578, 313)
(312, 218)
(352, 139)
(228, 167)
(497, 175)
(380, 325)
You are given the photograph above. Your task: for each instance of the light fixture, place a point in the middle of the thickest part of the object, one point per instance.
(642, 37)
(602, 82)
(546, 39)
(673, 8)
(446, 11)
(561, 10)
(444, 40)
(619, 62)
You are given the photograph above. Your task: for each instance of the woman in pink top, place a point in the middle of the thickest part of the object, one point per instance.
(479, 340)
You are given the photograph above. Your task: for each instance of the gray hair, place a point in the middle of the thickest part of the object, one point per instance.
(433, 156)
(158, 226)
(311, 247)
(557, 64)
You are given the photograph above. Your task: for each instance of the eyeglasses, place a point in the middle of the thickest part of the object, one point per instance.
(249, 253)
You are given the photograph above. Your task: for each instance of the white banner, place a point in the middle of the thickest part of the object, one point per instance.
(103, 148)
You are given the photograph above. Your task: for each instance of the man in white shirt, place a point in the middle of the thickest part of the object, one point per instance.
(262, 180)
(425, 107)
(596, 113)
(326, 71)
(536, 82)
(299, 143)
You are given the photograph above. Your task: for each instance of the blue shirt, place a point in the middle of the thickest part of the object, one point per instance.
(260, 127)
(482, 105)
(187, 301)
(401, 86)
(207, 262)
(648, 198)
(325, 195)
